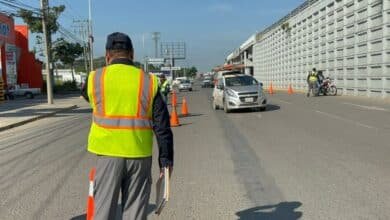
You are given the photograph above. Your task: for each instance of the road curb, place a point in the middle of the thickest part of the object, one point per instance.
(20, 123)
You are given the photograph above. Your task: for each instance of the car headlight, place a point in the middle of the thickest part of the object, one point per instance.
(231, 93)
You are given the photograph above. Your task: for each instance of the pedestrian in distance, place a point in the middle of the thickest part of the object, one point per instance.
(312, 82)
(127, 109)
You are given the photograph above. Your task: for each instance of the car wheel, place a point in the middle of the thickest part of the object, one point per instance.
(9, 97)
(190, 90)
(226, 108)
(29, 95)
(262, 109)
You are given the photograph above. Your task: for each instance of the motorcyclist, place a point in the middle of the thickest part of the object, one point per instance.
(320, 84)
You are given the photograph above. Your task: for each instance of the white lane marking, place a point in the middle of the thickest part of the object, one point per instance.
(367, 107)
(346, 120)
(282, 101)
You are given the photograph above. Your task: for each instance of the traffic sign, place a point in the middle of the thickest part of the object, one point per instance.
(167, 68)
(157, 61)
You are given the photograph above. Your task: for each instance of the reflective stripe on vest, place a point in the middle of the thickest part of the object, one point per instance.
(140, 121)
(122, 123)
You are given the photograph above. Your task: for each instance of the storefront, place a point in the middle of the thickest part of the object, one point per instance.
(17, 64)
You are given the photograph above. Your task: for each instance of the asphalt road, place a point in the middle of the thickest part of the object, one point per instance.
(303, 158)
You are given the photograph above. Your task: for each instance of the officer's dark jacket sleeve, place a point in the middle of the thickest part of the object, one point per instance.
(163, 132)
(84, 89)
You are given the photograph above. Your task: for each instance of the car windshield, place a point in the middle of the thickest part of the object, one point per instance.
(185, 81)
(240, 81)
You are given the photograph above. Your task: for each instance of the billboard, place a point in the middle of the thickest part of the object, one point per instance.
(173, 50)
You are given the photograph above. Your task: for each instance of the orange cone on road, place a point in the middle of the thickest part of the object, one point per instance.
(174, 98)
(290, 90)
(174, 118)
(271, 89)
(91, 202)
(184, 107)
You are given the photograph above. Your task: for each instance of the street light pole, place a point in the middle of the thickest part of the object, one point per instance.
(90, 34)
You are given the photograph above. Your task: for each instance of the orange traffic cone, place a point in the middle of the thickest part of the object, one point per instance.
(271, 89)
(91, 202)
(174, 98)
(184, 107)
(174, 118)
(290, 90)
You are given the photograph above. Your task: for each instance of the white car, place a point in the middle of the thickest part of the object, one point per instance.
(185, 85)
(238, 91)
(178, 80)
(24, 91)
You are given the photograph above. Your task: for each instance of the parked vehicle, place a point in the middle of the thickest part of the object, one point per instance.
(185, 85)
(207, 83)
(238, 91)
(8, 95)
(178, 80)
(328, 87)
(29, 93)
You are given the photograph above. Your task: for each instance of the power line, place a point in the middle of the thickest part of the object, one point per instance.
(68, 34)
(17, 6)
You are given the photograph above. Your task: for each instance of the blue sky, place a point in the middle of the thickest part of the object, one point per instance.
(211, 29)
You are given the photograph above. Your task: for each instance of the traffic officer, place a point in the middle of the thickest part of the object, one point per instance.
(127, 108)
(164, 87)
(312, 81)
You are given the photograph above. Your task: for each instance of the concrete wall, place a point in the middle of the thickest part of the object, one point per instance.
(348, 39)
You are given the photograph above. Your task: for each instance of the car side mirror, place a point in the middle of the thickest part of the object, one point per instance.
(261, 84)
(221, 87)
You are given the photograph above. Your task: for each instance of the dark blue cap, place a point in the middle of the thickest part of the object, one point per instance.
(118, 41)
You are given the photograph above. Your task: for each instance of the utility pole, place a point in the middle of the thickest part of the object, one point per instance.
(81, 28)
(45, 10)
(156, 38)
(90, 34)
(145, 56)
(172, 64)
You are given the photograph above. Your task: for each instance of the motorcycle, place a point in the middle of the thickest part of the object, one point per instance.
(328, 87)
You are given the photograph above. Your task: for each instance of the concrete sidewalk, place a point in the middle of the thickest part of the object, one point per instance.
(19, 112)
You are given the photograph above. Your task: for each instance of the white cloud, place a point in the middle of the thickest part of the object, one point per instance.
(221, 8)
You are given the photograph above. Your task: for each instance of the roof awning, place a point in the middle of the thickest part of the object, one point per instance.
(229, 67)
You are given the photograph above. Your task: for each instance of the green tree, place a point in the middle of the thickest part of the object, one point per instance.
(189, 72)
(67, 53)
(34, 21)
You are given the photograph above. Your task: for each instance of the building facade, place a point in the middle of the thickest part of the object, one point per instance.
(17, 64)
(348, 39)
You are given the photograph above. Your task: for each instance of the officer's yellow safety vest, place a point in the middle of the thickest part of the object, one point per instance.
(121, 97)
(313, 77)
(164, 87)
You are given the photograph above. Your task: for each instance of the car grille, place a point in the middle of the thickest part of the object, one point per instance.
(247, 93)
(242, 99)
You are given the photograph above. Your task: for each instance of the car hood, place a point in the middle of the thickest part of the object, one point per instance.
(185, 84)
(238, 89)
